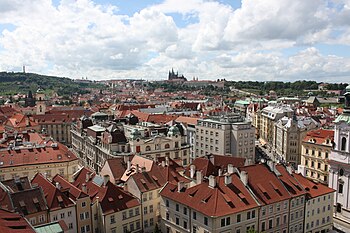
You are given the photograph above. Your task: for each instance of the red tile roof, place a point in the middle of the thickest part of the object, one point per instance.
(41, 155)
(219, 201)
(187, 120)
(319, 135)
(66, 187)
(14, 223)
(288, 180)
(312, 188)
(265, 184)
(54, 197)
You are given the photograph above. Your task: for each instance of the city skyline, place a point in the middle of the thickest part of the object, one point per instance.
(250, 40)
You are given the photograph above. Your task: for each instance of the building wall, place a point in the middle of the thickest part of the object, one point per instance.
(84, 215)
(319, 214)
(66, 169)
(119, 222)
(274, 217)
(68, 215)
(314, 157)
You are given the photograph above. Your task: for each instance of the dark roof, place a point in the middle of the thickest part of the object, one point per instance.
(14, 223)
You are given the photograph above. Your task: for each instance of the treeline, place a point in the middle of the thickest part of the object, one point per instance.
(12, 83)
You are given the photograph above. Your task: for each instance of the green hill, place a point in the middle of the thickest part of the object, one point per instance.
(13, 83)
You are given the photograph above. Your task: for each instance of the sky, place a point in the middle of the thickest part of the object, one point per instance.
(263, 40)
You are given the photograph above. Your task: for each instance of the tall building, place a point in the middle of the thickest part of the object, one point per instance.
(339, 173)
(316, 148)
(40, 102)
(225, 136)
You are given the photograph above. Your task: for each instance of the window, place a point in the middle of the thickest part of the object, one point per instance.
(343, 144)
(177, 220)
(270, 223)
(132, 227)
(206, 221)
(340, 186)
(263, 211)
(225, 221)
(238, 217)
(151, 208)
(131, 213)
(69, 213)
(87, 215)
(185, 211)
(124, 215)
(167, 216)
(112, 219)
(151, 222)
(70, 225)
(263, 227)
(137, 211)
(185, 224)
(253, 213)
(167, 203)
(62, 215)
(145, 210)
(83, 204)
(194, 215)
(145, 223)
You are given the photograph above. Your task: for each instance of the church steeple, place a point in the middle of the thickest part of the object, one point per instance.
(347, 100)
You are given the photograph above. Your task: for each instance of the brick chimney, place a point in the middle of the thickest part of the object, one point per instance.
(212, 181)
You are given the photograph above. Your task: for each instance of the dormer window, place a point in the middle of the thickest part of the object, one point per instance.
(343, 144)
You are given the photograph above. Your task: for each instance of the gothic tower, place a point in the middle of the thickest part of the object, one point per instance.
(40, 102)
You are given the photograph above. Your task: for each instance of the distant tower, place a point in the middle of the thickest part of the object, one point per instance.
(40, 102)
(24, 69)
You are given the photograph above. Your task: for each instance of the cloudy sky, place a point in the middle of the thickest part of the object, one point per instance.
(238, 40)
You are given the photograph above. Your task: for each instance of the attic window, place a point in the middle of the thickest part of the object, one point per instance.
(35, 200)
(263, 190)
(276, 188)
(22, 204)
(155, 178)
(143, 181)
(110, 199)
(120, 197)
(205, 200)
(59, 198)
(193, 193)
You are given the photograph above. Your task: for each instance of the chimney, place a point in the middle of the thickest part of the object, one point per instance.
(211, 158)
(192, 171)
(125, 187)
(128, 165)
(167, 161)
(137, 168)
(27, 121)
(212, 181)
(143, 169)
(58, 186)
(180, 186)
(126, 159)
(230, 169)
(83, 188)
(105, 179)
(228, 179)
(87, 177)
(289, 169)
(271, 165)
(244, 177)
(199, 177)
(163, 163)
(219, 172)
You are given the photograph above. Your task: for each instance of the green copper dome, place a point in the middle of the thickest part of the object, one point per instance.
(343, 117)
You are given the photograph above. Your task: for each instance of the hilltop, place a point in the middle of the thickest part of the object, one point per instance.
(13, 83)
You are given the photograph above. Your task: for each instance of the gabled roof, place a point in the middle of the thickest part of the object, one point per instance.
(289, 182)
(319, 136)
(54, 197)
(73, 192)
(116, 166)
(14, 223)
(218, 201)
(312, 188)
(265, 184)
(29, 201)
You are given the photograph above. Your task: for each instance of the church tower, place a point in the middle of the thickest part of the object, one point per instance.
(339, 172)
(40, 102)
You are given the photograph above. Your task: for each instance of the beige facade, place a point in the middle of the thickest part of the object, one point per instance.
(180, 218)
(274, 217)
(316, 149)
(84, 216)
(227, 136)
(64, 168)
(173, 146)
(319, 214)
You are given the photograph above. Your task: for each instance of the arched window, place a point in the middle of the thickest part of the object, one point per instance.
(40, 108)
(343, 144)
(167, 146)
(148, 148)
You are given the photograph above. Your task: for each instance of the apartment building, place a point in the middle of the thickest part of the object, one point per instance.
(272, 195)
(113, 209)
(173, 145)
(219, 204)
(19, 196)
(287, 136)
(268, 117)
(26, 159)
(318, 206)
(316, 149)
(225, 136)
(146, 185)
(189, 124)
(60, 207)
(82, 203)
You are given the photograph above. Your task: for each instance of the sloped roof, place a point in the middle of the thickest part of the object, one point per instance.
(218, 201)
(14, 223)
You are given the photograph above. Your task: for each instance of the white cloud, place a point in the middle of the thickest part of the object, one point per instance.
(81, 38)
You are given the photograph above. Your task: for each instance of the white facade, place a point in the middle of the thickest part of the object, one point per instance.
(68, 215)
